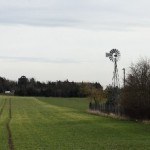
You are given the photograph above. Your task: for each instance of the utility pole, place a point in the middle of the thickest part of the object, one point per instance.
(124, 74)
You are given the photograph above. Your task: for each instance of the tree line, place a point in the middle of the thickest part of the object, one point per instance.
(30, 87)
(134, 97)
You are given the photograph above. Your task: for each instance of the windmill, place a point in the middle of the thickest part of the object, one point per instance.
(114, 56)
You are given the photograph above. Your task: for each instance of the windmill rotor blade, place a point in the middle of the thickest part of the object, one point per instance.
(115, 55)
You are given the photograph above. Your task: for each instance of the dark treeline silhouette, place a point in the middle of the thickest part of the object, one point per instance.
(31, 87)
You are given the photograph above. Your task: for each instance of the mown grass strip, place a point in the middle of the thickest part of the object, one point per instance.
(63, 124)
(10, 141)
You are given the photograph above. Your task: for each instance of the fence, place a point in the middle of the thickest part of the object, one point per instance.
(107, 108)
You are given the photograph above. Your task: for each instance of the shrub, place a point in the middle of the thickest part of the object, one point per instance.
(136, 93)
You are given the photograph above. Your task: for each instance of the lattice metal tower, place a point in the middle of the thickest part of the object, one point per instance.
(114, 56)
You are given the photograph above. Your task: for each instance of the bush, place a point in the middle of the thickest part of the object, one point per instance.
(136, 93)
(112, 95)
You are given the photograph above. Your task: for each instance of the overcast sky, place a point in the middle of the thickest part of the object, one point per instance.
(67, 39)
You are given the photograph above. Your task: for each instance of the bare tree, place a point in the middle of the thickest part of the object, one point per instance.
(136, 93)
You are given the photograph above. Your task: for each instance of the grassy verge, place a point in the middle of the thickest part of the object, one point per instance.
(3, 121)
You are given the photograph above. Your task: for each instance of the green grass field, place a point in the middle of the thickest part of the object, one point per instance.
(29, 123)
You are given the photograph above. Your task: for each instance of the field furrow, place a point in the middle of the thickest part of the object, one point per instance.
(3, 122)
(3, 105)
(10, 141)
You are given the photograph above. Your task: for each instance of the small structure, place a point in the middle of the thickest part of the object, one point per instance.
(9, 92)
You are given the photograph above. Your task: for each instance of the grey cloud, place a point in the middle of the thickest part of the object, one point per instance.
(37, 59)
(39, 17)
(103, 14)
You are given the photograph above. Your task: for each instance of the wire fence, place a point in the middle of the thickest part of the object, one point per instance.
(107, 108)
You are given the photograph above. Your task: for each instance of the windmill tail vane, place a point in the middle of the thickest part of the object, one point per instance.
(108, 55)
